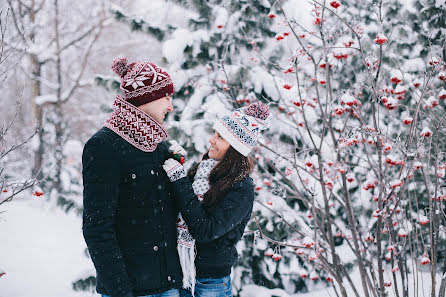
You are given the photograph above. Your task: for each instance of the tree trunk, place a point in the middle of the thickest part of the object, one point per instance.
(37, 115)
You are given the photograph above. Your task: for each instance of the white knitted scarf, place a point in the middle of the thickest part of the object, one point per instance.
(186, 243)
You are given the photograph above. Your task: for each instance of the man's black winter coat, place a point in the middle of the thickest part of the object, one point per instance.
(129, 219)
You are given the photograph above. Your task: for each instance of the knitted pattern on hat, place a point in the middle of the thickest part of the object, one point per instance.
(135, 126)
(241, 128)
(142, 82)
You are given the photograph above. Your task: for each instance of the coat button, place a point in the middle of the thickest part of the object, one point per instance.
(155, 248)
(169, 278)
(133, 176)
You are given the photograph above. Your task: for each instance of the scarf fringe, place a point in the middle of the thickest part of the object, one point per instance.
(186, 243)
(187, 261)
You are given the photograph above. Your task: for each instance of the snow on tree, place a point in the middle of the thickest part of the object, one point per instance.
(348, 168)
(347, 156)
(56, 59)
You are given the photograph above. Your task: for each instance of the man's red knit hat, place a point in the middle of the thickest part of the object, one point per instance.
(142, 82)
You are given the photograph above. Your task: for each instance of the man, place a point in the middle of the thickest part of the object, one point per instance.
(129, 218)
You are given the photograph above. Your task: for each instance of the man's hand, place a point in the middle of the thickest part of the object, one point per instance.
(174, 170)
(175, 147)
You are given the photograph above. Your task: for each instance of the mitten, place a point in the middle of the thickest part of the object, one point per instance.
(175, 147)
(174, 170)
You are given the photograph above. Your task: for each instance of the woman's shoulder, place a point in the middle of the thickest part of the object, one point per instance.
(246, 183)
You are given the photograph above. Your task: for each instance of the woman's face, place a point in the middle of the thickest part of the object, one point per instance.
(218, 148)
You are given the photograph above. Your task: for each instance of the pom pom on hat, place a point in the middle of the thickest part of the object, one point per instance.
(120, 66)
(258, 110)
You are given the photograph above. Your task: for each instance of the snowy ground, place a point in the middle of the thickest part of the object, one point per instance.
(41, 250)
(42, 253)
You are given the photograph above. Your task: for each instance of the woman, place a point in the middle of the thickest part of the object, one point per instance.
(217, 205)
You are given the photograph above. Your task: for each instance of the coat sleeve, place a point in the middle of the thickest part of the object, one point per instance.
(205, 226)
(100, 171)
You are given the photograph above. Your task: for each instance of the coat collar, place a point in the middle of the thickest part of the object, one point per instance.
(135, 126)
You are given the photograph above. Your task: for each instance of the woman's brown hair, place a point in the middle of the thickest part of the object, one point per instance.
(233, 168)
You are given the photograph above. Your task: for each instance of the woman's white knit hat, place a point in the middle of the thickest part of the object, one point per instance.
(242, 127)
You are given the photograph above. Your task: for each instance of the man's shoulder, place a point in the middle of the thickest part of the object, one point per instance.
(103, 138)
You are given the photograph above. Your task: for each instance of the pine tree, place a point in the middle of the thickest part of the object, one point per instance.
(326, 82)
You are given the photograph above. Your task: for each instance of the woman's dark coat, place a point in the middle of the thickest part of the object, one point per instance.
(216, 232)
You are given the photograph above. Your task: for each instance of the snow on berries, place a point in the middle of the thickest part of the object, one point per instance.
(425, 260)
(370, 184)
(324, 64)
(396, 77)
(416, 83)
(391, 249)
(426, 132)
(423, 220)
(313, 257)
(402, 233)
(267, 182)
(335, 4)
(279, 37)
(314, 276)
(309, 214)
(442, 76)
(271, 15)
(400, 90)
(340, 53)
(431, 102)
(381, 39)
(338, 110)
(391, 160)
(288, 70)
(396, 183)
(389, 102)
(277, 257)
(37, 193)
(350, 178)
(442, 94)
(434, 61)
(417, 165)
(349, 100)
(303, 273)
(287, 86)
(308, 242)
(408, 120)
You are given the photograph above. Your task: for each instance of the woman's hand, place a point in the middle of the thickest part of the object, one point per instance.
(174, 170)
(175, 147)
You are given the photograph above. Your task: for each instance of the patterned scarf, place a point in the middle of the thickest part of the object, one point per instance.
(135, 126)
(186, 243)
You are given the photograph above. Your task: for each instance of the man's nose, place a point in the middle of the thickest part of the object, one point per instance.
(170, 107)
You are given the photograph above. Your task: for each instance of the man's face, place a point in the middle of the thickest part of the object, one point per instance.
(158, 109)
